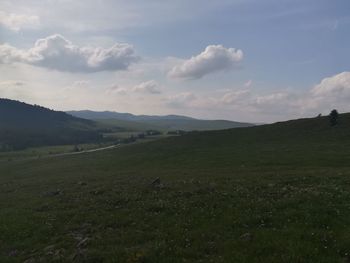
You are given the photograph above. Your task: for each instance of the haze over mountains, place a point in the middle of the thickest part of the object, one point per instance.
(88, 114)
(23, 125)
(22, 115)
(166, 122)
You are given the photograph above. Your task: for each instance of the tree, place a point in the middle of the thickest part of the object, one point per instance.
(333, 117)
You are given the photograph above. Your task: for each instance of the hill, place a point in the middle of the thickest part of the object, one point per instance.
(271, 193)
(87, 114)
(166, 123)
(23, 125)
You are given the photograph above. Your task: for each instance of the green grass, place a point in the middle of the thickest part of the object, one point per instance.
(274, 193)
(131, 126)
(171, 124)
(196, 125)
(44, 151)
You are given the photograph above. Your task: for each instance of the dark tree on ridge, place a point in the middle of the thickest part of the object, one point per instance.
(333, 117)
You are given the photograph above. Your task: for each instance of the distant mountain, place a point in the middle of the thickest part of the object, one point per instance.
(167, 122)
(23, 125)
(94, 115)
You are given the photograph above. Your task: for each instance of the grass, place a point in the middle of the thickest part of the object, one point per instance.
(274, 193)
(132, 126)
(39, 152)
(165, 125)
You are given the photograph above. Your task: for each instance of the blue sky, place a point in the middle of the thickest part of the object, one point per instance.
(250, 60)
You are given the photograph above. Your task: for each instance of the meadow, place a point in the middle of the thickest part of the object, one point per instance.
(272, 193)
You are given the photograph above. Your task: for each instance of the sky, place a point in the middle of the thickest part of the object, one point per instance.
(242, 60)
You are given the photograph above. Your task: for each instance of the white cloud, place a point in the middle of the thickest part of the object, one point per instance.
(9, 54)
(214, 58)
(14, 89)
(331, 92)
(336, 86)
(273, 103)
(56, 52)
(248, 84)
(16, 22)
(81, 83)
(280, 103)
(150, 86)
(115, 89)
(181, 100)
(11, 83)
(272, 99)
(235, 96)
(109, 15)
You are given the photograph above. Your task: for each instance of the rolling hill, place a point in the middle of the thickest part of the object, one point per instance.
(23, 125)
(271, 193)
(87, 114)
(165, 123)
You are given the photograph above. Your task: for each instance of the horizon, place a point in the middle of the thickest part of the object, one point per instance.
(177, 115)
(231, 60)
(174, 131)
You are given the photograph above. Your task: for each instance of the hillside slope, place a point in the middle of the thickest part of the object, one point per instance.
(273, 193)
(88, 114)
(23, 125)
(166, 123)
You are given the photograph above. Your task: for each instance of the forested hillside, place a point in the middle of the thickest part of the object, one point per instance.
(23, 125)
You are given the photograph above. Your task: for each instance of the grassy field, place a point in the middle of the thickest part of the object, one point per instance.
(165, 125)
(274, 193)
(131, 126)
(39, 152)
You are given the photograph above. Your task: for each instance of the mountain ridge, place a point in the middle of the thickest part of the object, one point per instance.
(89, 114)
(24, 125)
(165, 122)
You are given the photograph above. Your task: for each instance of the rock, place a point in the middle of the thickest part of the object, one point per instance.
(246, 237)
(82, 183)
(13, 253)
(53, 193)
(97, 192)
(83, 242)
(29, 260)
(42, 208)
(49, 248)
(156, 182)
(78, 256)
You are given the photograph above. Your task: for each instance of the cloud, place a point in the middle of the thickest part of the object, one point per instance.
(180, 100)
(56, 52)
(331, 92)
(92, 16)
(16, 22)
(214, 58)
(115, 89)
(235, 96)
(248, 84)
(280, 103)
(15, 89)
(11, 83)
(151, 87)
(336, 86)
(80, 83)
